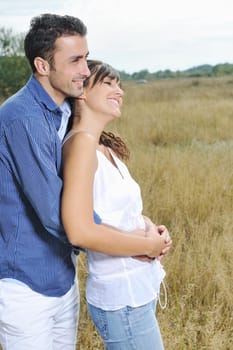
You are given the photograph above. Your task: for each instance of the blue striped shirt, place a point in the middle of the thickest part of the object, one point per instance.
(33, 245)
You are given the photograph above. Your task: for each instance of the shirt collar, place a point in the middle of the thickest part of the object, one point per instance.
(61, 113)
(66, 112)
(41, 95)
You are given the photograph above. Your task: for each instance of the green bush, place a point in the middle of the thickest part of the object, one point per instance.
(14, 72)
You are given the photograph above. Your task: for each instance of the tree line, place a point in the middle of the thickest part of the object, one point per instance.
(205, 70)
(15, 70)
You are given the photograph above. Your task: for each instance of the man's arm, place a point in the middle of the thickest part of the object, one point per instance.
(30, 153)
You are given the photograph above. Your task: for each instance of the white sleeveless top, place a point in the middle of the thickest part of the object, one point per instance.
(114, 281)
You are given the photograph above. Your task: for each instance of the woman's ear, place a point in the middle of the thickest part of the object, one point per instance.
(42, 66)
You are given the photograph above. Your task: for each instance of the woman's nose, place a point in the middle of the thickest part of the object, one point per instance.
(120, 91)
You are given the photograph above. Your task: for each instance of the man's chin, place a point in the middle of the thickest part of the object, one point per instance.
(76, 93)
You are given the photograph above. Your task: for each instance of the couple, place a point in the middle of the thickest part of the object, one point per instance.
(99, 204)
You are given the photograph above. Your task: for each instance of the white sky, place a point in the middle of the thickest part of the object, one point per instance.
(133, 35)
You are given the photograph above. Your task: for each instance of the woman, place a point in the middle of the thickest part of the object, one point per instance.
(121, 291)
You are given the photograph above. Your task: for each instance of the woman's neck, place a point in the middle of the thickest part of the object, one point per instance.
(93, 126)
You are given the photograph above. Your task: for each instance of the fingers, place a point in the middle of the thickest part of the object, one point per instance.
(165, 251)
(143, 258)
(162, 238)
(161, 228)
(164, 231)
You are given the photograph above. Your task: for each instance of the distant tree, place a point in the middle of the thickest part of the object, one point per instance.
(124, 75)
(165, 74)
(14, 72)
(14, 68)
(11, 44)
(223, 69)
(142, 74)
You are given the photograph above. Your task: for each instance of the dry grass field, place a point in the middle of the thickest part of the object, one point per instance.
(180, 133)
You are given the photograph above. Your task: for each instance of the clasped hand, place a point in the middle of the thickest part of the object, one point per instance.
(160, 238)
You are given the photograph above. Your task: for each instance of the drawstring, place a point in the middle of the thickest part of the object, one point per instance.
(163, 306)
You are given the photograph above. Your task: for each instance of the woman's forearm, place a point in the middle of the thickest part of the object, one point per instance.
(108, 240)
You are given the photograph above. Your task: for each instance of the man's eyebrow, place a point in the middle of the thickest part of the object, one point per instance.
(77, 57)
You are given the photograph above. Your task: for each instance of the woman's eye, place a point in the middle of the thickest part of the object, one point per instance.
(107, 82)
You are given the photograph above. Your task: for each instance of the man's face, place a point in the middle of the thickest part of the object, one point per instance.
(69, 70)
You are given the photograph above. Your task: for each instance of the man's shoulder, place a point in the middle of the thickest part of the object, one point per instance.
(21, 106)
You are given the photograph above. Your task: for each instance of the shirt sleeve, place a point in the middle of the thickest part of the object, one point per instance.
(30, 153)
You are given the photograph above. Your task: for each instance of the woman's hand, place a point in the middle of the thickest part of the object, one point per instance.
(161, 237)
(163, 230)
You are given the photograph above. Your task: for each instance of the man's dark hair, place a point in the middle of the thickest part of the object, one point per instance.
(43, 33)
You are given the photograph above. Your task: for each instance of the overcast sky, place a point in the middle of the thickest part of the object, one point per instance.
(133, 35)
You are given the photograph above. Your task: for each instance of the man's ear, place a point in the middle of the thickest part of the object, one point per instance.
(42, 66)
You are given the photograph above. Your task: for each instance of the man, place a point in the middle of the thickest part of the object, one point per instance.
(38, 297)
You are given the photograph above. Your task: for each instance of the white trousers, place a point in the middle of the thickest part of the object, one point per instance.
(31, 321)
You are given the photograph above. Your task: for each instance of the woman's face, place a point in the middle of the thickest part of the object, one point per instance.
(105, 97)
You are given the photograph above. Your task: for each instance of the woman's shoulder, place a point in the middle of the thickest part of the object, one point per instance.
(74, 135)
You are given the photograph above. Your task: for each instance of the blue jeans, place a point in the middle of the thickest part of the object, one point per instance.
(128, 328)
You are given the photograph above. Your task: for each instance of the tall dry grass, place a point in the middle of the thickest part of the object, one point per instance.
(180, 133)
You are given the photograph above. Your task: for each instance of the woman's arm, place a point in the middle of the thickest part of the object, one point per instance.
(80, 163)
